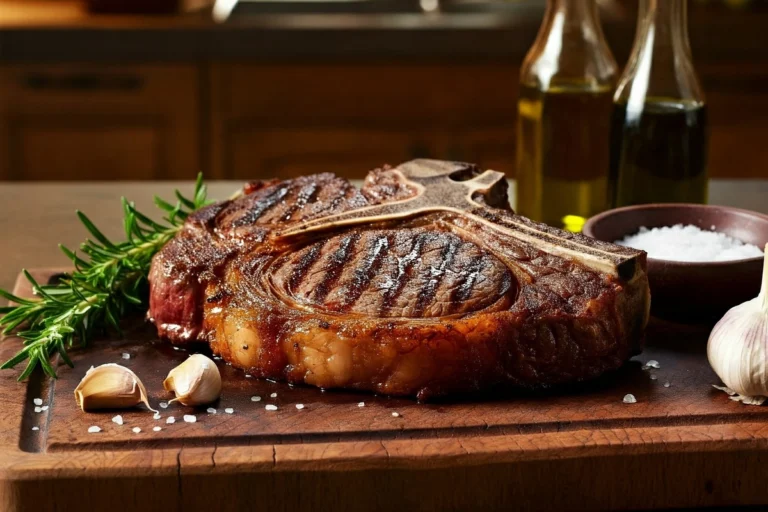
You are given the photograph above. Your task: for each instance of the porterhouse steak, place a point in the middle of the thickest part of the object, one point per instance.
(423, 282)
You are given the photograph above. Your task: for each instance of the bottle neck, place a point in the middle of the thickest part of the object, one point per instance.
(660, 68)
(664, 24)
(570, 49)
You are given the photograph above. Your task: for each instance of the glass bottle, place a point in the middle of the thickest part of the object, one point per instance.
(659, 121)
(564, 111)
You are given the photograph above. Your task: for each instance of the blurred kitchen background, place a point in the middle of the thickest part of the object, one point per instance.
(278, 88)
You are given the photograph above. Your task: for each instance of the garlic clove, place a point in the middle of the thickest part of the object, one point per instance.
(110, 386)
(737, 347)
(196, 381)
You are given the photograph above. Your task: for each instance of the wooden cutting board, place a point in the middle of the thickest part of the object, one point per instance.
(579, 447)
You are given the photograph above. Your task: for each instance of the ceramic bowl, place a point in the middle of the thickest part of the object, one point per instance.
(692, 291)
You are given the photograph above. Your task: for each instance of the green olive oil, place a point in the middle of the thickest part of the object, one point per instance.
(563, 164)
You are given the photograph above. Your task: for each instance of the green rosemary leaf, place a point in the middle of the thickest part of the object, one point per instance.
(109, 279)
(98, 235)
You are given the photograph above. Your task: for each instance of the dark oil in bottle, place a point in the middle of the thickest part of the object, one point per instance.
(658, 154)
(563, 163)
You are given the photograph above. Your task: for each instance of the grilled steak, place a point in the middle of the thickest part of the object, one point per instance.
(423, 282)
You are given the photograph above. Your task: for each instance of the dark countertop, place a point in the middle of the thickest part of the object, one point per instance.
(62, 31)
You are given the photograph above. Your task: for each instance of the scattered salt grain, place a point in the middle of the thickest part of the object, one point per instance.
(271, 407)
(630, 399)
(176, 348)
(44, 408)
(299, 406)
(170, 420)
(190, 418)
(273, 395)
(35, 428)
(211, 410)
(38, 409)
(652, 364)
(157, 416)
(157, 429)
(689, 243)
(117, 419)
(163, 405)
(667, 384)
(229, 410)
(654, 376)
(361, 404)
(248, 376)
(38, 401)
(396, 414)
(94, 429)
(255, 398)
(136, 430)
(126, 355)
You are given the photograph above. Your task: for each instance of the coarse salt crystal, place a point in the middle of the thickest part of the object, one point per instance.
(176, 348)
(229, 410)
(136, 430)
(38, 409)
(271, 407)
(44, 408)
(653, 364)
(396, 414)
(273, 395)
(248, 376)
(667, 384)
(361, 404)
(190, 418)
(117, 419)
(126, 355)
(689, 243)
(163, 405)
(255, 398)
(157, 429)
(211, 410)
(157, 416)
(35, 428)
(94, 429)
(170, 420)
(299, 406)
(630, 399)
(654, 376)
(38, 401)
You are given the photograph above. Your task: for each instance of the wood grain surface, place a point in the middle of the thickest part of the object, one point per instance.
(573, 448)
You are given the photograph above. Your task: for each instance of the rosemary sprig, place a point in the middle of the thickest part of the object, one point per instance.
(109, 279)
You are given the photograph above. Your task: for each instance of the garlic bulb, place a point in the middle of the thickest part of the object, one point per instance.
(196, 381)
(738, 347)
(110, 386)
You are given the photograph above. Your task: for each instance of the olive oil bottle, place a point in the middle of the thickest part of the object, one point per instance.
(659, 120)
(660, 156)
(564, 112)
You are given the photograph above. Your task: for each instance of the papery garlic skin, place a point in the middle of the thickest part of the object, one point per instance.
(110, 386)
(196, 381)
(738, 346)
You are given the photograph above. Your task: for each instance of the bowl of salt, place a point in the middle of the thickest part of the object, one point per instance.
(702, 259)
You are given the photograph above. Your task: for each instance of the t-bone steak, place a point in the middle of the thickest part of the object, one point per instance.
(423, 282)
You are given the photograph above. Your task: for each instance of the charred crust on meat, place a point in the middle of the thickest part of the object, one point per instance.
(457, 297)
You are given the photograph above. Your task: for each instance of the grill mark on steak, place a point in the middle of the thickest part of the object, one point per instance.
(305, 195)
(261, 207)
(335, 265)
(402, 275)
(468, 280)
(447, 255)
(378, 248)
(305, 263)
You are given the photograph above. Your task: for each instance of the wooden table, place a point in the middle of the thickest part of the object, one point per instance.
(681, 445)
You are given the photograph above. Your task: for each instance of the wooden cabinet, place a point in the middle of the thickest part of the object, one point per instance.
(287, 120)
(99, 122)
